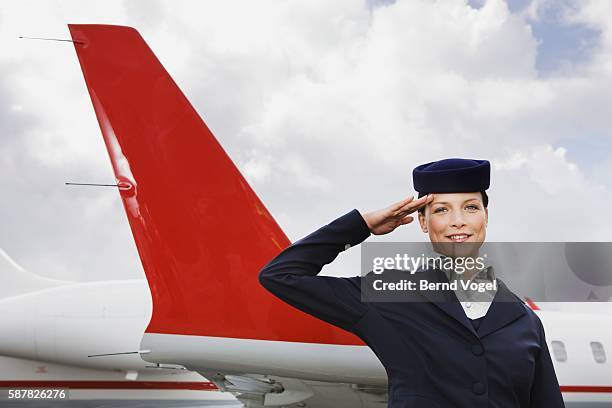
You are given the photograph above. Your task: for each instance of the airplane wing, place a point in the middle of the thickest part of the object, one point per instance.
(17, 281)
(203, 235)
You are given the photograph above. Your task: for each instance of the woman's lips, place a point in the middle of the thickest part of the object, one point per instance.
(458, 237)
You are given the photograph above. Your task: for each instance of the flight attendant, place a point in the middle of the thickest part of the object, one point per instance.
(439, 352)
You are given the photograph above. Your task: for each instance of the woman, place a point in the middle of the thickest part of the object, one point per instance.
(437, 352)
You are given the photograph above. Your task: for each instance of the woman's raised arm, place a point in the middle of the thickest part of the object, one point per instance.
(292, 275)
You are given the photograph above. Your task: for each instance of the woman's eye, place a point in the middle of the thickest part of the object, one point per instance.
(439, 209)
(472, 207)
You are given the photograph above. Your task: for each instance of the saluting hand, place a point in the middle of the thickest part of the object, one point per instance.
(386, 220)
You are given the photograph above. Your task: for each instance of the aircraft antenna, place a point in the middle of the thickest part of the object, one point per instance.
(121, 186)
(51, 39)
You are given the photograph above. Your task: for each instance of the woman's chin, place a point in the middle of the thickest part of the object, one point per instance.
(452, 248)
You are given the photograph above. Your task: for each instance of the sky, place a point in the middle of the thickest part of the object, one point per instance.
(324, 107)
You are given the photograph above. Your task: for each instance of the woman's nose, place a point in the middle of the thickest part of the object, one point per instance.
(457, 219)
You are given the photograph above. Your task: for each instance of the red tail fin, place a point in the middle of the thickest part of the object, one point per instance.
(201, 232)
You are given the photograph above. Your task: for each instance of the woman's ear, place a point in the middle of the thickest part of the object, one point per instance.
(422, 222)
(486, 217)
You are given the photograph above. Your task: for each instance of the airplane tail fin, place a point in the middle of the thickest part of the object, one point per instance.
(17, 281)
(201, 232)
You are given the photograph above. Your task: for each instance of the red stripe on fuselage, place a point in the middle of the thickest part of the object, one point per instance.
(201, 386)
(587, 388)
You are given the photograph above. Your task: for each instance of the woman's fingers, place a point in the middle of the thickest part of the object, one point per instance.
(407, 220)
(386, 220)
(394, 215)
(395, 207)
(412, 206)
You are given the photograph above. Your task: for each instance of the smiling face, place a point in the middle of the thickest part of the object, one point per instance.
(455, 217)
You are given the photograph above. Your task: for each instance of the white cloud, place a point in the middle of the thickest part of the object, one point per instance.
(596, 13)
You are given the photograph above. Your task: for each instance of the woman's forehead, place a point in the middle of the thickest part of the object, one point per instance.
(456, 197)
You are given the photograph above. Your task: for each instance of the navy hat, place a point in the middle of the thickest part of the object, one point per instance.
(452, 176)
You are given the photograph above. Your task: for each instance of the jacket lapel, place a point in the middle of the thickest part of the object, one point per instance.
(504, 309)
(446, 300)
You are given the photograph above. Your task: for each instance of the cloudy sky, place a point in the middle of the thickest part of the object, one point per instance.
(324, 106)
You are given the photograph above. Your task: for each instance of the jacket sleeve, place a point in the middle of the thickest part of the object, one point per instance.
(292, 275)
(545, 390)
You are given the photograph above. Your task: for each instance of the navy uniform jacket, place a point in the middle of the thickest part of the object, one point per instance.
(433, 356)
